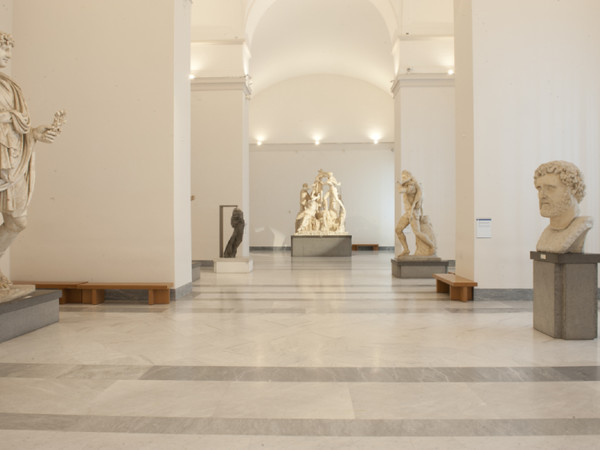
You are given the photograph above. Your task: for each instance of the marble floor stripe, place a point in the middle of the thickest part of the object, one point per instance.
(300, 427)
(318, 309)
(304, 374)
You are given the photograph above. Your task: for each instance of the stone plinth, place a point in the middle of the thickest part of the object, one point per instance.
(233, 265)
(322, 245)
(565, 286)
(28, 313)
(418, 266)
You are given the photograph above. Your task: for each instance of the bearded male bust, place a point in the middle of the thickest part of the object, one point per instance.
(560, 189)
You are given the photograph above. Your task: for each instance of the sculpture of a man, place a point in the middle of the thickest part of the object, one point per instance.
(238, 223)
(412, 194)
(336, 212)
(560, 189)
(305, 220)
(17, 137)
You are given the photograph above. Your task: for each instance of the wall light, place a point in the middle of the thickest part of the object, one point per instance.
(375, 137)
(192, 76)
(450, 71)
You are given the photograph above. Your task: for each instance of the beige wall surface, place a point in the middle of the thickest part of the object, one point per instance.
(339, 109)
(104, 207)
(536, 99)
(219, 166)
(427, 142)
(366, 174)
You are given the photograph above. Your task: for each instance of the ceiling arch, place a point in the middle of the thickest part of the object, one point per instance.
(255, 9)
(291, 38)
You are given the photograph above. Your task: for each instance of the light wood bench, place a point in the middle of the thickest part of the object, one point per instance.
(71, 293)
(158, 293)
(93, 293)
(460, 288)
(373, 247)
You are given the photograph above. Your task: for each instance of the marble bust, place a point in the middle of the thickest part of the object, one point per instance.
(560, 189)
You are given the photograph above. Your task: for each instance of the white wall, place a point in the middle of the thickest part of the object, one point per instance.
(6, 7)
(182, 220)
(338, 108)
(536, 99)
(219, 165)
(345, 113)
(427, 142)
(110, 196)
(277, 173)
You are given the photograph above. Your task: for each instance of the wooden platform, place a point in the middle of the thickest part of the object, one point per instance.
(374, 247)
(93, 293)
(70, 289)
(459, 288)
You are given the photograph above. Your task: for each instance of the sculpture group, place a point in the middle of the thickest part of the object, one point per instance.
(17, 137)
(321, 208)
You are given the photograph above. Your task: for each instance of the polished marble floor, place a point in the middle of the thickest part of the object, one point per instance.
(302, 353)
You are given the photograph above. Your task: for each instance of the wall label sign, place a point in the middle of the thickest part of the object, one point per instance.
(483, 228)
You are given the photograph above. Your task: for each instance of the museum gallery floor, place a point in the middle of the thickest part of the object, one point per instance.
(301, 353)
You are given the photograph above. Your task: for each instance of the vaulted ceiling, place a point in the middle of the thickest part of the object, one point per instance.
(342, 37)
(372, 40)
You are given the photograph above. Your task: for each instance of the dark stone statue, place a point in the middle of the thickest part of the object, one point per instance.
(238, 223)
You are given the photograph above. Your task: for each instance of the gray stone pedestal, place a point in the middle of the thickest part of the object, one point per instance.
(28, 313)
(322, 245)
(418, 266)
(564, 294)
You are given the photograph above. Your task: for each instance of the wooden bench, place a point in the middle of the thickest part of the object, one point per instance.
(93, 293)
(373, 247)
(158, 293)
(459, 288)
(70, 289)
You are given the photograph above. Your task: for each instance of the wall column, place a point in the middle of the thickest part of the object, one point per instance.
(465, 150)
(112, 194)
(220, 161)
(523, 98)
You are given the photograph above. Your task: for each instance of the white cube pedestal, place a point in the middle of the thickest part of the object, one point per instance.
(233, 265)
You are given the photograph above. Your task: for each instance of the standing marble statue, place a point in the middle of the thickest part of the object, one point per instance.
(412, 194)
(335, 211)
(560, 189)
(17, 137)
(238, 223)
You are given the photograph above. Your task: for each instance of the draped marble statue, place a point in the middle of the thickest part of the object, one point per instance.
(412, 195)
(321, 208)
(17, 138)
(560, 189)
